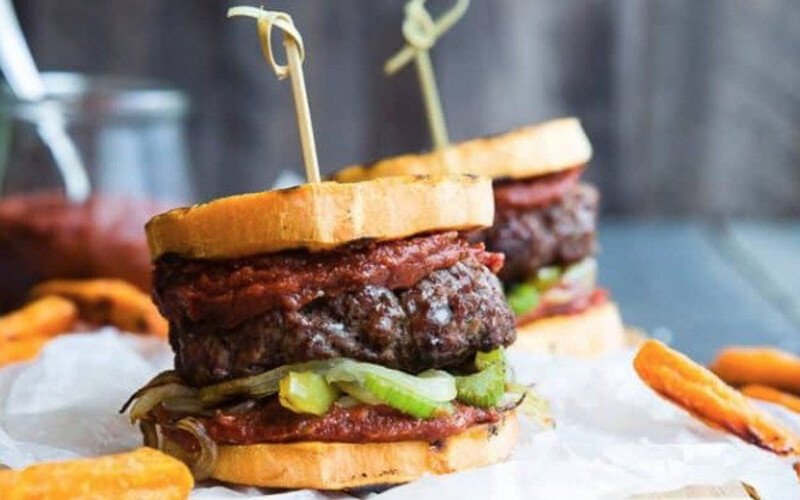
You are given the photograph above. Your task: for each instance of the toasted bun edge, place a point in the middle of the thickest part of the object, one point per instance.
(322, 216)
(539, 149)
(596, 331)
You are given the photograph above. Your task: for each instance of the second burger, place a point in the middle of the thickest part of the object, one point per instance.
(545, 225)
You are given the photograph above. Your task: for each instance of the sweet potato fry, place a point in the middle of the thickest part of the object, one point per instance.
(701, 393)
(108, 302)
(12, 351)
(772, 395)
(758, 365)
(45, 317)
(141, 474)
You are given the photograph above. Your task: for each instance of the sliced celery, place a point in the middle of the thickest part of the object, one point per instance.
(436, 385)
(306, 392)
(258, 386)
(404, 399)
(546, 277)
(484, 360)
(356, 391)
(484, 388)
(577, 280)
(420, 396)
(523, 298)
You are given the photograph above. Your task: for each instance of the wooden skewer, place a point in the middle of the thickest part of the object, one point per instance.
(295, 53)
(433, 103)
(302, 110)
(421, 33)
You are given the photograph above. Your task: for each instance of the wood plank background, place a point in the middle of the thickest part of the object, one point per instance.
(693, 105)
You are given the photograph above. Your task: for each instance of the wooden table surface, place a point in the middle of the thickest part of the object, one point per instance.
(703, 285)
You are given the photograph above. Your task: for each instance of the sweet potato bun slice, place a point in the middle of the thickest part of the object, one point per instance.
(322, 216)
(593, 332)
(540, 149)
(336, 466)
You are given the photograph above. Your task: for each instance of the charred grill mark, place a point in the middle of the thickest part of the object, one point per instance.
(437, 445)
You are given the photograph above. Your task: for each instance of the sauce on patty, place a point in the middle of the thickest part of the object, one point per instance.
(535, 192)
(229, 292)
(269, 422)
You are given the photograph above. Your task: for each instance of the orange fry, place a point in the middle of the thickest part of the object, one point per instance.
(758, 365)
(701, 393)
(45, 317)
(142, 473)
(109, 302)
(12, 351)
(771, 395)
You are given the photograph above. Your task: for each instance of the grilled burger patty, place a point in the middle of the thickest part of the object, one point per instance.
(391, 318)
(561, 232)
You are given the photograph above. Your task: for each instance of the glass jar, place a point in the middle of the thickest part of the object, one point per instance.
(131, 135)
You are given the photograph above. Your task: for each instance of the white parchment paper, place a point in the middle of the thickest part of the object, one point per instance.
(613, 438)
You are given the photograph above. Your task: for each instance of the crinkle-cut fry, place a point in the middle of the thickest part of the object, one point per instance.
(758, 365)
(46, 317)
(144, 473)
(772, 395)
(12, 351)
(109, 302)
(701, 393)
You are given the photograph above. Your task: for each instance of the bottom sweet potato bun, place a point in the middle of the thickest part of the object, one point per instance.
(336, 466)
(593, 332)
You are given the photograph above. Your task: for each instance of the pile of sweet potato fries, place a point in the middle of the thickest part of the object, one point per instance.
(63, 306)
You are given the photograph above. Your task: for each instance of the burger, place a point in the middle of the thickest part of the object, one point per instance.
(545, 224)
(332, 335)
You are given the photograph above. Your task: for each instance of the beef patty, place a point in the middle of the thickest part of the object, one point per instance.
(559, 233)
(440, 321)
(425, 302)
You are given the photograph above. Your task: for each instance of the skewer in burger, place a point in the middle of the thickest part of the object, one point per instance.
(332, 335)
(545, 225)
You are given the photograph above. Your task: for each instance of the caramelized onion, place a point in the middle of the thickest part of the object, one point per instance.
(188, 405)
(152, 397)
(532, 405)
(151, 434)
(166, 377)
(202, 465)
(201, 462)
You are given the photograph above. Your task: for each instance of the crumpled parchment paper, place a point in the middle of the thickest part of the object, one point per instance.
(613, 438)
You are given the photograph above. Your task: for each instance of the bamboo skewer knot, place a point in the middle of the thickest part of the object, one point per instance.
(421, 31)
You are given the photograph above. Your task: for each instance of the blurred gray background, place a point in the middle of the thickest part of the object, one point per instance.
(693, 105)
